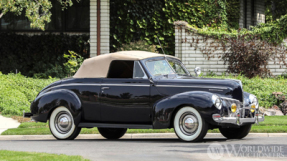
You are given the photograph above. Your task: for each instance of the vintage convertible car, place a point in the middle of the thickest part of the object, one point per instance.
(143, 90)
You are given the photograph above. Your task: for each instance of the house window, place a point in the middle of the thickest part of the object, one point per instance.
(77, 17)
(73, 19)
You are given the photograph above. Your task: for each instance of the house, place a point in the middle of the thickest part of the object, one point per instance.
(252, 13)
(93, 17)
(81, 18)
(193, 48)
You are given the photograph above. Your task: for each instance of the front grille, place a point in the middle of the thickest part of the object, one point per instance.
(227, 102)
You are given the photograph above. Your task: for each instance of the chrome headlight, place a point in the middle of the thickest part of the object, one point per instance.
(217, 101)
(253, 100)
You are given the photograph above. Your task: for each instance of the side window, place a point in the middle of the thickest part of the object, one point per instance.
(138, 71)
(121, 69)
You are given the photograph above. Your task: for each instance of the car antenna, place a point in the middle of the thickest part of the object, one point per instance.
(161, 46)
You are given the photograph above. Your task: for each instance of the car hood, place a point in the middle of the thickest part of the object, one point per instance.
(222, 87)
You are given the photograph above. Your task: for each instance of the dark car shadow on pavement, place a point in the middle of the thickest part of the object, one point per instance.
(156, 140)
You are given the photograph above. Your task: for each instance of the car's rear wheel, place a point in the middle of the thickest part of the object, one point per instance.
(235, 133)
(62, 125)
(189, 125)
(112, 133)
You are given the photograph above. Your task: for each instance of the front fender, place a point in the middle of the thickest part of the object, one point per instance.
(165, 109)
(44, 104)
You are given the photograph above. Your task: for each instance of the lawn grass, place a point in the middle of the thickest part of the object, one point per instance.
(272, 124)
(32, 156)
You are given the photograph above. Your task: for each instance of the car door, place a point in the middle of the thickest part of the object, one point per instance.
(125, 94)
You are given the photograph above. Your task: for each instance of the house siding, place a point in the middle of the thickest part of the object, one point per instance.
(105, 27)
(260, 11)
(246, 13)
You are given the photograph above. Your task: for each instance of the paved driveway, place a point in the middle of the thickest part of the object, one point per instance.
(251, 148)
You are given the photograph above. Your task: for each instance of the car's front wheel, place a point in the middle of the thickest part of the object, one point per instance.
(112, 133)
(235, 133)
(62, 125)
(189, 125)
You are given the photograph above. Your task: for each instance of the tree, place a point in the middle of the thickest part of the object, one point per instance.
(37, 11)
(277, 8)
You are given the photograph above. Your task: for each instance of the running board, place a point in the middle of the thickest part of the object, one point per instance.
(130, 126)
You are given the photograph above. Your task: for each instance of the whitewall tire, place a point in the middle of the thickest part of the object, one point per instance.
(189, 125)
(62, 125)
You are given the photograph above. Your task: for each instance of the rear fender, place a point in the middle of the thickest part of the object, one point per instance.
(44, 104)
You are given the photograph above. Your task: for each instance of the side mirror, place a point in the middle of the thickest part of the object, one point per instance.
(197, 71)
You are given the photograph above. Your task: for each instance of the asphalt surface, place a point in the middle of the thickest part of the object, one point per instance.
(250, 148)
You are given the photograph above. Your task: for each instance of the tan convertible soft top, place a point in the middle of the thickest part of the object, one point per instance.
(97, 67)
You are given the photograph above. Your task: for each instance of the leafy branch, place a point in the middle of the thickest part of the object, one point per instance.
(38, 12)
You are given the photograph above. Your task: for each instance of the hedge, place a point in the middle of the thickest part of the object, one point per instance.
(18, 91)
(35, 54)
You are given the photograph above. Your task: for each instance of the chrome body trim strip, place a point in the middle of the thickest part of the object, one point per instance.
(98, 84)
(190, 86)
(94, 84)
(133, 85)
(230, 99)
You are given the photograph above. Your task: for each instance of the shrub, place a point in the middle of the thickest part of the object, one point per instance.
(74, 62)
(67, 69)
(18, 91)
(39, 55)
(248, 55)
(261, 87)
(138, 45)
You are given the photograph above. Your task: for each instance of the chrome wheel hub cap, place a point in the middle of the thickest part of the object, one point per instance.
(63, 122)
(188, 123)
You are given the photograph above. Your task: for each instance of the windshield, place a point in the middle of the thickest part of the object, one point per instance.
(178, 67)
(159, 67)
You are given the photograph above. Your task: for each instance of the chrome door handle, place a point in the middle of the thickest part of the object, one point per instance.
(103, 88)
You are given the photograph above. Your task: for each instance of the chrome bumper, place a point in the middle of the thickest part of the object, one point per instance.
(237, 120)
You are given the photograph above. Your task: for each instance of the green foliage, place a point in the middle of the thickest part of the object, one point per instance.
(138, 45)
(146, 20)
(273, 32)
(37, 11)
(17, 92)
(74, 62)
(39, 56)
(233, 13)
(275, 9)
(262, 88)
(210, 74)
(33, 156)
(218, 33)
